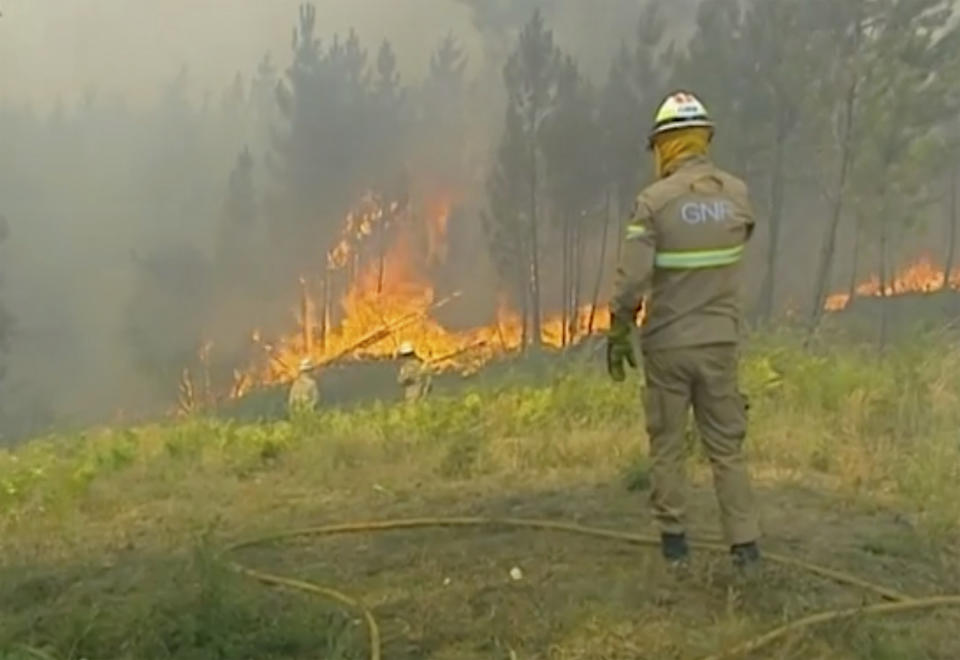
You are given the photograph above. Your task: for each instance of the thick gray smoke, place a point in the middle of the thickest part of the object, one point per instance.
(120, 125)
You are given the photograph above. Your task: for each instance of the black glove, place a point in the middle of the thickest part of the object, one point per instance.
(619, 347)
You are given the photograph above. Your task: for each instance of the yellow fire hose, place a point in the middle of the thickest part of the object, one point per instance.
(331, 594)
(901, 602)
(834, 615)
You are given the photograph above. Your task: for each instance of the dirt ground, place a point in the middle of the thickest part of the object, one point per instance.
(449, 594)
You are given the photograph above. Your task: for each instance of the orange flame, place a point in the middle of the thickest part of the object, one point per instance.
(392, 300)
(922, 276)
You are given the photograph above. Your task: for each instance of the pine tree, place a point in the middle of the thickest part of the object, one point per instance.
(952, 211)
(440, 160)
(891, 103)
(717, 67)
(263, 88)
(506, 224)
(390, 126)
(840, 90)
(442, 114)
(784, 69)
(622, 125)
(497, 20)
(444, 84)
(573, 180)
(237, 248)
(531, 78)
(167, 313)
(322, 156)
(636, 83)
(898, 153)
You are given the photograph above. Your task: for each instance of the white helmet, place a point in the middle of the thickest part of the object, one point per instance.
(306, 364)
(681, 110)
(406, 349)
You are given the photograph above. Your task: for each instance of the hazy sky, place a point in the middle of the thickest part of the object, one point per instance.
(62, 47)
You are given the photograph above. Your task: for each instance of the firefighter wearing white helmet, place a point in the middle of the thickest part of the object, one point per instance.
(304, 393)
(414, 376)
(680, 110)
(682, 251)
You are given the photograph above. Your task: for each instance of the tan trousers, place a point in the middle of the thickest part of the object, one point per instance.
(706, 378)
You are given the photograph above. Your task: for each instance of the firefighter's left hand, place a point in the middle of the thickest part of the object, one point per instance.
(619, 348)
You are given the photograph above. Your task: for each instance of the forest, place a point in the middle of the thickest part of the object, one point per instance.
(137, 233)
(201, 202)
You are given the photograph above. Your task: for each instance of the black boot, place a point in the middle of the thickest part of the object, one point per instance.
(674, 547)
(745, 554)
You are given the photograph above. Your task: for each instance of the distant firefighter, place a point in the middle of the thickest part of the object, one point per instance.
(304, 394)
(414, 376)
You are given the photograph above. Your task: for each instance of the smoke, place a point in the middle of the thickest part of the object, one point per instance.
(51, 50)
(120, 125)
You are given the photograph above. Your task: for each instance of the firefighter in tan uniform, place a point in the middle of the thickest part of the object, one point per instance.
(683, 249)
(414, 375)
(304, 393)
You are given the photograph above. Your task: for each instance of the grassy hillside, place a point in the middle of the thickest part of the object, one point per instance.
(109, 540)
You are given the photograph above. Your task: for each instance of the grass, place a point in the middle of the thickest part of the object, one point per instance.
(107, 536)
(188, 608)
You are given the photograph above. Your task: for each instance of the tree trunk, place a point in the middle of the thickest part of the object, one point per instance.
(382, 248)
(952, 224)
(523, 277)
(565, 280)
(776, 219)
(603, 257)
(578, 247)
(830, 237)
(535, 328)
(325, 309)
(884, 316)
(622, 205)
(852, 290)
(306, 314)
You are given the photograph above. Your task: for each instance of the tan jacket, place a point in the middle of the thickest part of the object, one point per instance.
(304, 394)
(414, 377)
(684, 243)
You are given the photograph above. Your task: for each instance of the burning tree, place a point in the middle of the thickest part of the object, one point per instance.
(333, 144)
(369, 240)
